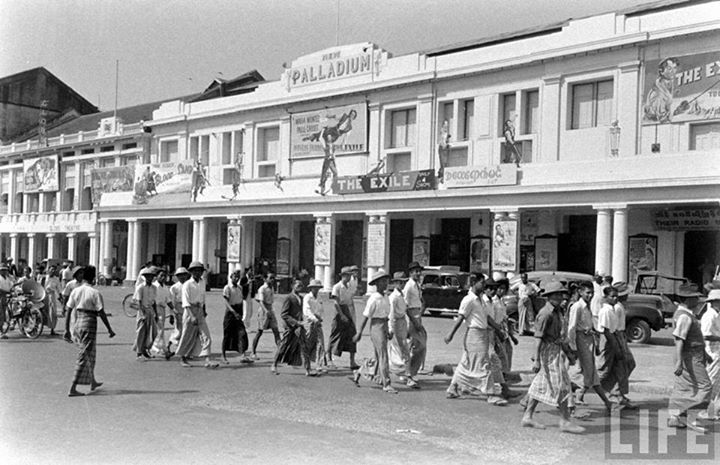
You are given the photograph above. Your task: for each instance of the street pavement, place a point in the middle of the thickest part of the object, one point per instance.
(159, 412)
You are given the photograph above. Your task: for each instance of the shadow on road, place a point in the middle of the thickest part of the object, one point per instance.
(127, 392)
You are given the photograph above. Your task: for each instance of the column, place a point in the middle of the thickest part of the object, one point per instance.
(620, 245)
(131, 272)
(93, 259)
(324, 249)
(549, 149)
(202, 245)
(376, 252)
(11, 193)
(106, 239)
(196, 237)
(50, 245)
(137, 241)
(14, 247)
(679, 244)
(71, 246)
(602, 241)
(31, 250)
(77, 185)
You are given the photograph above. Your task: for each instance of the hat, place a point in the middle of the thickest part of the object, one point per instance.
(315, 283)
(414, 265)
(622, 288)
(149, 270)
(196, 264)
(354, 268)
(688, 290)
(75, 270)
(714, 284)
(713, 295)
(4, 267)
(181, 270)
(378, 276)
(346, 270)
(554, 287)
(399, 276)
(10, 259)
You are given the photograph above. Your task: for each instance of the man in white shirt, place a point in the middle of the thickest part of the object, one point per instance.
(415, 309)
(527, 290)
(313, 318)
(342, 329)
(611, 358)
(710, 327)
(182, 275)
(194, 325)
(266, 315)
(398, 348)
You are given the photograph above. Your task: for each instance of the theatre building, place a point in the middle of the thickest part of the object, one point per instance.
(587, 145)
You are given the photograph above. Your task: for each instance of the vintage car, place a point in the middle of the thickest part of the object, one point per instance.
(443, 288)
(644, 312)
(662, 285)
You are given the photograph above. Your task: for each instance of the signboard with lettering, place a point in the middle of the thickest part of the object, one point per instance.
(684, 88)
(344, 129)
(41, 174)
(164, 183)
(376, 244)
(113, 179)
(688, 219)
(504, 245)
(391, 182)
(477, 176)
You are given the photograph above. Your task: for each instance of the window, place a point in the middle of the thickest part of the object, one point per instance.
(33, 202)
(507, 103)
(68, 175)
(107, 148)
(232, 148)
(467, 116)
(127, 161)
(531, 110)
(50, 201)
(107, 162)
(402, 128)
(447, 115)
(87, 151)
(169, 150)
(68, 199)
(268, 151)
(591, 104)
(705, 136)
(457, 157)
(86, 173)
(226, 156)
(130, 145)
(398, 162)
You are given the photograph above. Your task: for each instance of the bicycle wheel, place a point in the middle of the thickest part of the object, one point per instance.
(128, 307)
(5, 326)
(32, 323)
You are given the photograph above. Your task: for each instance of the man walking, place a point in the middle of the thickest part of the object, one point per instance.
(416, 332)
(266, 315)
(527, 291)
(611, 356)
(342, 329)
(710, 326)
(195, 328)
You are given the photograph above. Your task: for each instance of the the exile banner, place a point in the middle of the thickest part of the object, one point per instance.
(401, 181)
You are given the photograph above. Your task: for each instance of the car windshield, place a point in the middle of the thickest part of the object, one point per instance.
(658, 284)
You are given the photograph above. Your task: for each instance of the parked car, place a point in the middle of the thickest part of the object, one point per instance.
(443, 288)
(662, 285)
(644, 312)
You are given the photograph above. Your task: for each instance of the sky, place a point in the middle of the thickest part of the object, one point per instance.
(171, 48)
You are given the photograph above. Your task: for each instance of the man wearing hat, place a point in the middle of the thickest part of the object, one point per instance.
(66, 274)
(342, 329)
(710, 327)
(622, 388)
(234, 333)
(145, 298)
(182, 275)
(398, 348)
(551, 385)
(415, 307)
(6, 284)
(377, 311)
(610, 354)
(692, 388)
(313, 318)
(76, 277)
(195, 328)
(266, 315)
(354, 281)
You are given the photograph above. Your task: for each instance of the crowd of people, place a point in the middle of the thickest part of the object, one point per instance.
(580, 333)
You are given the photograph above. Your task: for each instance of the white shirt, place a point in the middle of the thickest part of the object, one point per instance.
(266, 295)
(176, 294)
(607, 319)
(475, 311)
(527, 290)
(412, 293)
(162, 295)
(6, 283)
(579, 320)
(378, 306)
(312, 308)
(193, 293)
(499, 310)
(85, 297)
(398, 306)
(620, 316)
(343, 294)
(710, 326)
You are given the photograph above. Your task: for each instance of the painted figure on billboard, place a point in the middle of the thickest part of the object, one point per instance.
(660, 97)
(512, 154)
(328, 136)
(443, 149)
(149, 179)
(236, 176)
(199, 180)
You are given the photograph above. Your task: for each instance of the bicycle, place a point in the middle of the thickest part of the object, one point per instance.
(129, 307)
(23, 312)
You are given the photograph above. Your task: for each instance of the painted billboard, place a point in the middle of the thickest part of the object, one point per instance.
(114, 179)
(679, 89)
(168, 183)
(336, 130)
(41, 174)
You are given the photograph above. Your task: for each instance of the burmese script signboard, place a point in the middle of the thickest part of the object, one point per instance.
(391, 182)
(688, 219)
(477, 176)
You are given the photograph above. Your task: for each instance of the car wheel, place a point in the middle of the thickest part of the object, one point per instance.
(638, 331)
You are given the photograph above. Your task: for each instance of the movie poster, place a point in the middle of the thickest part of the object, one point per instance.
(168, 183)
(114, 179)
(642, 255)
(323, 241)
(41, 174)
(504, 245)
(480, 255)
(234, 235)
(338, 129)
(682, 88)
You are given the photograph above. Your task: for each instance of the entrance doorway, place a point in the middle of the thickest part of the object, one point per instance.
(701, 255)
(452, 245)
(348, 244)
(576, 249)
(170, 244)
(306, 239)
(401, 244)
